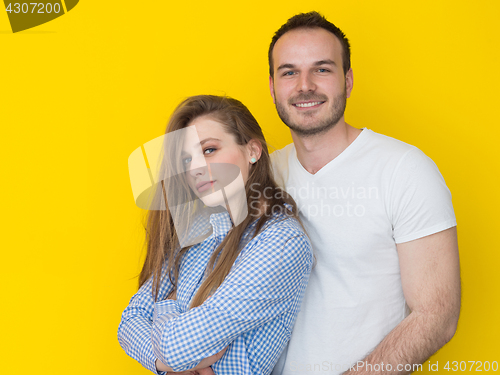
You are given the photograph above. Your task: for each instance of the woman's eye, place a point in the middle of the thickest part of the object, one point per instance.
(209, 150)
(186, 161)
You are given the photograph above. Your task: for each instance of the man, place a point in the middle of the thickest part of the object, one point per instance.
(385, 292)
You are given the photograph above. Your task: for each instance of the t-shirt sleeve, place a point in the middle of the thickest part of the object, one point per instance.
(420, 202)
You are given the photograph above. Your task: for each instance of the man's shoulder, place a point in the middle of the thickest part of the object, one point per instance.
(280, 163)
(281, 156)
(385, 144)
(401, 155)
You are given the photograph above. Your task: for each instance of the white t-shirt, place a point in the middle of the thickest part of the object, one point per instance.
(376, 193)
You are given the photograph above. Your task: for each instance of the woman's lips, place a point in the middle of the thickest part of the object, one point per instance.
(205, 185)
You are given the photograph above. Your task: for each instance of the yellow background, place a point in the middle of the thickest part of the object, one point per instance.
(79, 94)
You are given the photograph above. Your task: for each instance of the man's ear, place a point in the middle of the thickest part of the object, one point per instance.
(349, 82)
(254, 149)
(271, 87)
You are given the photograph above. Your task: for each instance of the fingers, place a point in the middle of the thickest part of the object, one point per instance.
(173, 294)
(206, 371)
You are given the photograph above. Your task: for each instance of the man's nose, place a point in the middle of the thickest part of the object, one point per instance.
(306, 83)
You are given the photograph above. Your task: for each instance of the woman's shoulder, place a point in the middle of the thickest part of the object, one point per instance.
(281, 239)
(284, 222)
(282, 226)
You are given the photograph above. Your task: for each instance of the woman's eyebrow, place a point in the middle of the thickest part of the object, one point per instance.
(208, 139)
(183, 152)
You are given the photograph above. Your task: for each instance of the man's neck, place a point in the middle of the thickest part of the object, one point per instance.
(316, 151)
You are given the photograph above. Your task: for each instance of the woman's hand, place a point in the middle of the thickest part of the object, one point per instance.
(203, 368)
(203, 371)
(205, 362)
(209, 361)
(172, 295)
(206, 371)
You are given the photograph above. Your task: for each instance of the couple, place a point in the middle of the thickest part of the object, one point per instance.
(222, 294)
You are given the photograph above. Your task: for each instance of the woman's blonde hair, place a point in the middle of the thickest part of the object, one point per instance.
(163, 253)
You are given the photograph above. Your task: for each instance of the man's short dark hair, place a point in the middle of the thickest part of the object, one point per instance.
(309, 21)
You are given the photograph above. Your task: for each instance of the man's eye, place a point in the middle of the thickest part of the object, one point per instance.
(209, 150)
(290, 73)
(323, 70)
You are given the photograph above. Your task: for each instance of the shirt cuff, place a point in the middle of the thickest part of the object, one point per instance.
(151, 365)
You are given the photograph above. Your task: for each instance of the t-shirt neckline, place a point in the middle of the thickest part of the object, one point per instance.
(352, 148)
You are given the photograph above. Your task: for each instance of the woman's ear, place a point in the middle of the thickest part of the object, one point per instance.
(254, 150)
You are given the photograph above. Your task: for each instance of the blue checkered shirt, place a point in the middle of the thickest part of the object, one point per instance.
(252, 312)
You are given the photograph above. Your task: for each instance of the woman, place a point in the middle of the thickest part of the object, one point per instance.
(226, 297)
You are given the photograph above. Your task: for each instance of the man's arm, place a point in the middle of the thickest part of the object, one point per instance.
(430, 275)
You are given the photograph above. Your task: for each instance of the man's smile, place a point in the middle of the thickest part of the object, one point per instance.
(307, 104)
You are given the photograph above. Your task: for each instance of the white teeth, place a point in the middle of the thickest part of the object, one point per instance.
(305, 105)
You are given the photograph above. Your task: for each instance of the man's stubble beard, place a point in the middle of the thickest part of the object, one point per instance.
(338, 109)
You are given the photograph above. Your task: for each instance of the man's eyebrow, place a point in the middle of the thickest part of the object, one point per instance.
(317, 63)
(286, 66)
(325, 62)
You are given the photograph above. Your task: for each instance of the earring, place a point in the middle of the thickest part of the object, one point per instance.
(253, 160)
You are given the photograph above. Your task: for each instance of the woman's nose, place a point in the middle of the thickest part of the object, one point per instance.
(198, 166)
(197, 172)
